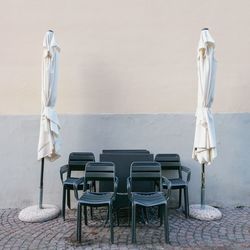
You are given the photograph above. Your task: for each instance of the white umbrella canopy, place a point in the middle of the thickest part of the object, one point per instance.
(204, 150)
(49, 138)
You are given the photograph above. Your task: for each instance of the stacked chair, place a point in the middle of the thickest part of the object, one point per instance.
(144, 172)
(96, 172)
(171, 162)
(77, 162)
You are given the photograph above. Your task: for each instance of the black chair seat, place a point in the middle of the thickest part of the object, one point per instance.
(89, 198)
(71, 181)
(149, 199)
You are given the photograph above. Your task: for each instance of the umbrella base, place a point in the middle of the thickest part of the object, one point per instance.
(35, 214)
(207, 213)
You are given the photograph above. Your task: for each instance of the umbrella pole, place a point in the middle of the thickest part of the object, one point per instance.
(41, 185)
(203, 186)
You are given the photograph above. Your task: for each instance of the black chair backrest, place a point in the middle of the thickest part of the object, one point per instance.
(78, 160)
(169, 162)
(100, 171)
(145, 171)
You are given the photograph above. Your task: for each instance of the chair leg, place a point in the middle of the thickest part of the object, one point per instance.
(143, 215)
(91, 208)
(91, 213)
(117, 216)
(166, 225)
(111, 224)
(63, 203)
(160, 213)
(129, 215)
(146, 215)
(180, 194)
(186, 202)
(68, 198)
(85, 215)
(133, 223)
(79, 222)
(107, 218)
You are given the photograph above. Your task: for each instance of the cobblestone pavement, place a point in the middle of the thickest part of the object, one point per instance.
(231, 232)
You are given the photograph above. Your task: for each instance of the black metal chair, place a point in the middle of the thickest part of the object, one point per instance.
(101, 172)
(77, 162)
(146, 172)
(172, 162)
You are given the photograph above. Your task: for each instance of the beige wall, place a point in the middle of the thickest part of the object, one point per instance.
(130, 56)
(127, 56)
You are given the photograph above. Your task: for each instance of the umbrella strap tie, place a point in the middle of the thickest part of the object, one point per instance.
(203, 115)
(51, 116)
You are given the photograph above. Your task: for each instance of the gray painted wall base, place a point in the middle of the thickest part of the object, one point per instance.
(227, 179)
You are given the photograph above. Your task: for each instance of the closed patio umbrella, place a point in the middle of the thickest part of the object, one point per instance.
(204, 150)
(49, 137)
(49, 140)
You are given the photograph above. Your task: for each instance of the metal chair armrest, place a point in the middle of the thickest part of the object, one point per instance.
(129, 188)
(76, 185)
(116, 185)
(64, 169)
(167, 182)
(187, 171)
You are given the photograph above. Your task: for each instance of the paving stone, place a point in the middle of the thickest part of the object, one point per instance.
(231, 232)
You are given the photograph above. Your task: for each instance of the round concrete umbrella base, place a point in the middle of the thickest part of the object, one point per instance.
(205, 213)
(35, 214)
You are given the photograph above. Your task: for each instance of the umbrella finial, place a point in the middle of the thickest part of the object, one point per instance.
(205, 29)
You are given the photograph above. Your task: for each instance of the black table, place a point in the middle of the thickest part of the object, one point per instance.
(123, 160)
